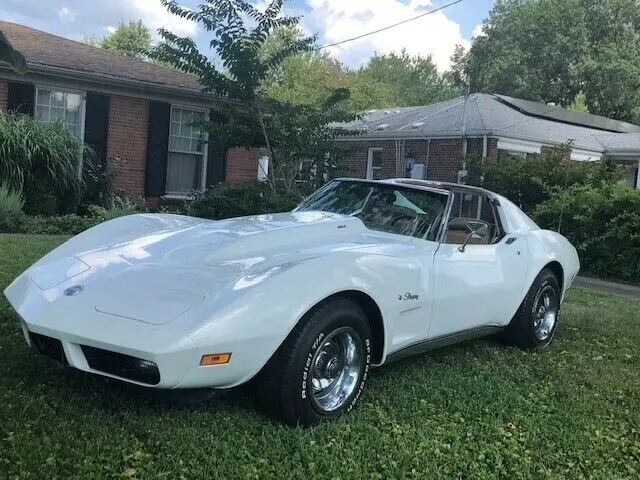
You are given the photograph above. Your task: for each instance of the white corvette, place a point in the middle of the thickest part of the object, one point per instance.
(361, 273)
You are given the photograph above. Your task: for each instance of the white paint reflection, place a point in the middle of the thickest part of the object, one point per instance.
(136, 249)
(253, 280)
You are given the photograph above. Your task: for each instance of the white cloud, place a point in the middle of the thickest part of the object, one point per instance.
(338, 20)
(478, 31)
(66, 14)
(78, 18)
(154, 15)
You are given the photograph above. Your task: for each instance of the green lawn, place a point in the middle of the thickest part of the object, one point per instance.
(478, 410)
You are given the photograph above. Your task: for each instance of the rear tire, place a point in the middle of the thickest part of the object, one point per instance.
(535, 323)
(319, 371)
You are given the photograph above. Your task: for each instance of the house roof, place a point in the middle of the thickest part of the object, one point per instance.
(554, 113)
(42, 49)
(487, 115)
(615, 142)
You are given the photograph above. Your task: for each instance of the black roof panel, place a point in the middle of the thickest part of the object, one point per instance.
(558, 114)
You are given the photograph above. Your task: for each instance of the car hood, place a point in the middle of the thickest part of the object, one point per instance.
(190, 241)
(154, 268)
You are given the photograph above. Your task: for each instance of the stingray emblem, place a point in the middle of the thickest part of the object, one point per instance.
(73, 291)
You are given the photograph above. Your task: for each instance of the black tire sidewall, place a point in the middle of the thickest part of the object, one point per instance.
(544, 279)
(346, 314)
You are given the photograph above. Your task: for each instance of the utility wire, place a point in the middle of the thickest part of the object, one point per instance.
(390, 26)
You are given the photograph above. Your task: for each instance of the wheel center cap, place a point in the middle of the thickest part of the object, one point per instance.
(333, 367)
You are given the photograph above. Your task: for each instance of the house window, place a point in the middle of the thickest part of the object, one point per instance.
(374, 164)
(61, 106)
(186, 162)
(506, 155)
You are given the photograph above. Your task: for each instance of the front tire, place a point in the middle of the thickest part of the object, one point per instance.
(535, 323)
(319, 371)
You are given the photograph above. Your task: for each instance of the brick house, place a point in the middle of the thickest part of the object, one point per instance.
(437, 138)
(132, 113)
(137, 116)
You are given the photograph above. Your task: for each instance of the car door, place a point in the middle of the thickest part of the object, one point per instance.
(477, 284)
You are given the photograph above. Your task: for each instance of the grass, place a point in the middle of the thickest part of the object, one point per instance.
(477, 410)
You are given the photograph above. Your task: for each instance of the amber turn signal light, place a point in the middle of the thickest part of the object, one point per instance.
(215, 359)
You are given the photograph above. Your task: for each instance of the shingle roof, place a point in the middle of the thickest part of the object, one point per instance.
(486, 115)
(616, 142)
(41, 48)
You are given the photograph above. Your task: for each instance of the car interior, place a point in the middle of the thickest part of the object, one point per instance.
(472, 220)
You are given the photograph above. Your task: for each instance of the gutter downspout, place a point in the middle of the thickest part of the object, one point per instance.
(484, 148)
(426, 163)
(464, 127)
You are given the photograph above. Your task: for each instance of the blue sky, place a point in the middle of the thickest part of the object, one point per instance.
(333, 20)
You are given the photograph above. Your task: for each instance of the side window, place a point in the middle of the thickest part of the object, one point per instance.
(472, 215)
(374, 164)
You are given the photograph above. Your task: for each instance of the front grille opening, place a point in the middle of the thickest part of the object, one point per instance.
(51, 347)
(120, 365)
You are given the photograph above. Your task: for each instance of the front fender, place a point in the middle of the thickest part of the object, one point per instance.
(258, 321)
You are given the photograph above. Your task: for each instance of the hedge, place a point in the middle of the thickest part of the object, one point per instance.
(602, 222)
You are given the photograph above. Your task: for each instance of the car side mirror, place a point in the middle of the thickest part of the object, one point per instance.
(463, 247)
(477, 228)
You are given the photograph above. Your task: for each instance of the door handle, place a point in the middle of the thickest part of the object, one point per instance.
(511, 240)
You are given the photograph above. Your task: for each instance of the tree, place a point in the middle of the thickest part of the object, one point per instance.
(11, 56)
(132, 39)
(240, 34)
(308, 78)
(414, 80)
(393, 80)
(550, 51)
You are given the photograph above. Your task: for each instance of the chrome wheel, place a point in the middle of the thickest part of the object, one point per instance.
(336, 369)
(545, 313)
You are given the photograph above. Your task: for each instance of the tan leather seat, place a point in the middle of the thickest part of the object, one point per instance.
(458, 230)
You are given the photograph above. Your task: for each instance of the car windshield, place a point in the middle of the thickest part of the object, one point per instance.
(383, 207)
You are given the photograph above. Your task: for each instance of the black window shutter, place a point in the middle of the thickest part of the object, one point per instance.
(96, 125)
(157, 148)
(21, 97)
(216, 154)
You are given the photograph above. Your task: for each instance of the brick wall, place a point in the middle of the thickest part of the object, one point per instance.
(492, 149)
(127, 143)
(357, 157)
(242, 165)
(444, 158)
(4, 86)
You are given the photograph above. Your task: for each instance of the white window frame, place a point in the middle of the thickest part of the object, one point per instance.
(83, 113)
(370, 167)
(205, 153)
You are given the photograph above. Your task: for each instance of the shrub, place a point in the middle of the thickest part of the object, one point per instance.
(99, 179)
(10, 209)
(227, 201)
(71, 223)
(528, 181)
(117, 207)
(602, 222)
(41, 160)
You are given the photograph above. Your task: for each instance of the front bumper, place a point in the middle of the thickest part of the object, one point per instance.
(104, 343)
(73, 332)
